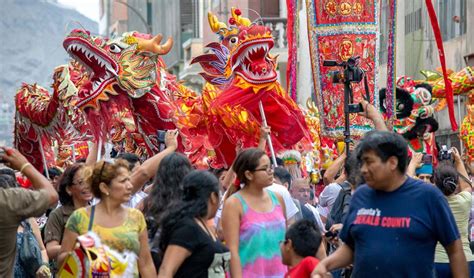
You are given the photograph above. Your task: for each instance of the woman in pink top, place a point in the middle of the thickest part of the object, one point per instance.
(254, 219)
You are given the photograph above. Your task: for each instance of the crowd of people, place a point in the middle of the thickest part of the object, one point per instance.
(374, 213)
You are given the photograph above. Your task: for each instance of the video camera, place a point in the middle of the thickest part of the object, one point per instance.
(352, 73)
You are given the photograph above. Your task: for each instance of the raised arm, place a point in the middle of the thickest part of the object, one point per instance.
(92, 156)
(15, 160)
(371, 113)
(331, 172)
(264, 133)
(415, 162)
(464, 182)
(148, 169)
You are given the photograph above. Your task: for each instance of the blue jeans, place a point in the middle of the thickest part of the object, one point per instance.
(444, 271)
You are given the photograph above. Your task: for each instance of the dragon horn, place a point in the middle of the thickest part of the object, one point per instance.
(214, 22)
(311, 106)
(239, 20)
(153, 45)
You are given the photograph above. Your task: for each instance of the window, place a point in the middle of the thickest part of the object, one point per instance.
(452, 18)
(413, 21)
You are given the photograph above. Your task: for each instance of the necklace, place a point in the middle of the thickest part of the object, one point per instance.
(207, 230)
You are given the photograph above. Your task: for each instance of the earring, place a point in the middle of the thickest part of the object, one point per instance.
(107, 193)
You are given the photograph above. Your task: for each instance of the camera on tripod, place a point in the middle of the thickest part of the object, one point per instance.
(351, 73)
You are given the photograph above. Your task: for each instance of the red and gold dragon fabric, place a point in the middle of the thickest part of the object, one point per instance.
(241, 72)
(130, 95)
(43, 118)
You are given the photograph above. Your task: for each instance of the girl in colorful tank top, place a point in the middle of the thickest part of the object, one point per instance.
(254, 220)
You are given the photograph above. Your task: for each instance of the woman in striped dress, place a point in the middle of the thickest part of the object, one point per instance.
(254, 219)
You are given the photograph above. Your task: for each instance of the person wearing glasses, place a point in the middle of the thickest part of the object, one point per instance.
(253, 219)
(119, 227)
(73, 194)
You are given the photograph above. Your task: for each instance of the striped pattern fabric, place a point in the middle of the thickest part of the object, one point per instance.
(260, 234)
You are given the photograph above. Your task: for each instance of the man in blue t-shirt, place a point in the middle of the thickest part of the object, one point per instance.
(394, 221)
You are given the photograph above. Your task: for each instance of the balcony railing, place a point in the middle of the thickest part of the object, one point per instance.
(278, 27)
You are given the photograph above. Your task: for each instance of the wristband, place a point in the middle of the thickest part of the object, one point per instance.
(24, 166)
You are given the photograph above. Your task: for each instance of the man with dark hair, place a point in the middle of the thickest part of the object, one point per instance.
(298, 250)
(54, 173)
(394, 218)
(132, 159)
(283, 177)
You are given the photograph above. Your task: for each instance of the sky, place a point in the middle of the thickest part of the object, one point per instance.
(89, 8)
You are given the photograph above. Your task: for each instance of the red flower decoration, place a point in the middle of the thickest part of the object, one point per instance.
(231, 21)
(238, 12)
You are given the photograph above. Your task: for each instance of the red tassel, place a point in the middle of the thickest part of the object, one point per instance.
(447, 82)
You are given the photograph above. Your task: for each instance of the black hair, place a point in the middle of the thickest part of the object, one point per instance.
(385, 144)
(218, 172)
(131, 158)
(305, 237)
(8, 172)
(352, 169)
(446, 178)
(279, 161)
(6, 181)
(66, 180)
(283, 175)
(166, 186)
(247, 160)
(53, 172)
(197, 188)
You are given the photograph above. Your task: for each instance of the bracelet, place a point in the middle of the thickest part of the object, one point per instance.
(24, 166)
(45, 264)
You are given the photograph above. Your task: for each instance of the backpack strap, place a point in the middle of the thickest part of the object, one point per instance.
(91, 218)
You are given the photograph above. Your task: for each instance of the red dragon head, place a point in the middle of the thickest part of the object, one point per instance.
(128, 63)
(243, 51)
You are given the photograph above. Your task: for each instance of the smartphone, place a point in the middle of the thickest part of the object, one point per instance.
(161, 136)
(427, 159)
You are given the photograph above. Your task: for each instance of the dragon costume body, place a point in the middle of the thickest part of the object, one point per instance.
(42, 118)
(417, 100)
(463, 84)
(130, 95)
(241, 73)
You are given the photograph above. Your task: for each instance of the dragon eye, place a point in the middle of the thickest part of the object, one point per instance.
(234, 40)
(115, 48)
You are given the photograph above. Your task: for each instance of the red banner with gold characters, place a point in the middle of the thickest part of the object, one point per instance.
(339, 30)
